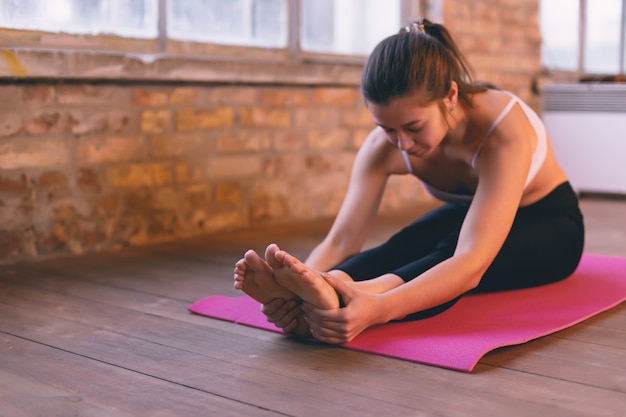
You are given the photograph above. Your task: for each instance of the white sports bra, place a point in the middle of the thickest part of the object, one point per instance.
(538, 157)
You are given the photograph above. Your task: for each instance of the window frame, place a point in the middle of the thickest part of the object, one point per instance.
(30, 54)
(582, 37)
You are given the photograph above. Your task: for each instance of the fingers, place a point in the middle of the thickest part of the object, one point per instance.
(343, 289)
(328, 326)
(282, 313)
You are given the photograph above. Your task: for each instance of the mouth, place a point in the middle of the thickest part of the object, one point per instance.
(419, 152)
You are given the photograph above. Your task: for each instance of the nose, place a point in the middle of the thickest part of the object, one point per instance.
(404, 141)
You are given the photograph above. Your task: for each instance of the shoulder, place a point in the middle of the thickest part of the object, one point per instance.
(501, 113)
(378, 154)
(489, 104)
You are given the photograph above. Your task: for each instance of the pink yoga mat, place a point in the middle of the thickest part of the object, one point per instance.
(459, 337)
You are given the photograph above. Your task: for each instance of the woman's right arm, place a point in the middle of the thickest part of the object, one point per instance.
(376, 160)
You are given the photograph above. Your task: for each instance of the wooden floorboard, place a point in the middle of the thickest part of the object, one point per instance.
(110, 334)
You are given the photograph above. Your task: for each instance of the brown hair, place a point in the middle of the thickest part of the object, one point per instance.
(421, 57)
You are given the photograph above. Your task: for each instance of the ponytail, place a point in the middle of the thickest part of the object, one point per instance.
(421, 57)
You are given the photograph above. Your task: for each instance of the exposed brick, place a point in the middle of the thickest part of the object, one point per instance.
(85, 122)
(53, 185)
(12, 244)
(145, 97)
(176, 145)
(194, 119)
(38, 95)
(332, 139)
(263, 117)
(33, 153)
(17, 185)
(112, 149)
(288, 140)
(185, 173)
(229, 95)
(87, 94)
(88, 180)
(46, 121)
(162, 173)
(228, 192)
(65, 213)
(243, 140)
(117, 120)
(140, 175)
(10, 123)
(234, 166)
(270, 200)
(276, 97)
(11, 97)
(326, 117)
(197, 196)
(226, 219)
(318, 164)
(358, 118)
(342, 97)
(157, 121)
(47, 243)
(166, 199)
(284, 164)
(108, 205)
(184, 95)
(325, 163)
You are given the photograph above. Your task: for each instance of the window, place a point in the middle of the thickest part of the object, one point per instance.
(128, 18)
(348, 27)
(199, 40)
(260, 23)
(602, 40)
(584, 36)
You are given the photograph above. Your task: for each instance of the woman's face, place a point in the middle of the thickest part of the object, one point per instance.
(412, 126)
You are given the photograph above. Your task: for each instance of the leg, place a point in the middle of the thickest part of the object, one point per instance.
(409, 253)
(413, 250)
(300, 279)
(256, 278)
(544, 245)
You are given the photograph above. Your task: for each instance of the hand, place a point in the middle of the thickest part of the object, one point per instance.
(283, 313)
(344, 324)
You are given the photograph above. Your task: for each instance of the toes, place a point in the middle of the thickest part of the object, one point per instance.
(270, 255)
(250, 255)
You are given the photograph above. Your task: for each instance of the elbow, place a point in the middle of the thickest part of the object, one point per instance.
(475, 270)
(472, 283)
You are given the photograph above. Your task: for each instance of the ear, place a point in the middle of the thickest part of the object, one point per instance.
(453, 95)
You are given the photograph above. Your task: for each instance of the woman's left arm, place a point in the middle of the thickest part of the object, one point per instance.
(502, 169)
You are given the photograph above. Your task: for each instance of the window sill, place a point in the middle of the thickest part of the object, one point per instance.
(32, 64)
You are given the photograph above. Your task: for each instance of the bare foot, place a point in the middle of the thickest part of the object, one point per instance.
(256, 278)
(300, 279)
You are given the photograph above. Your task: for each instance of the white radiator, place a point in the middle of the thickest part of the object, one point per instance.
(587, 126)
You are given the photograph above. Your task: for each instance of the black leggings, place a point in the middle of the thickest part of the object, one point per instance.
(544, 245)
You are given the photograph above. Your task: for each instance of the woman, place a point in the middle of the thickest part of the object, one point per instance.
(511, 219)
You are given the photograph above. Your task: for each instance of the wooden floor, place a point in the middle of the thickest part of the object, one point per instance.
(110, 335)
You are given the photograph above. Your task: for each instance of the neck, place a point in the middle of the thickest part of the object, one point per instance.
(458, 123)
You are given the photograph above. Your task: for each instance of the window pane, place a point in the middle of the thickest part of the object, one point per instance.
(559, 30)
(130, 18)
(233, 22)
(603, 37)
(350, 27)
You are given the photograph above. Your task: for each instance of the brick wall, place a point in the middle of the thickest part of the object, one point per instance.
(99, 167)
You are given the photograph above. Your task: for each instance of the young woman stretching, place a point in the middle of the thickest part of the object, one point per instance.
(511, 219)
